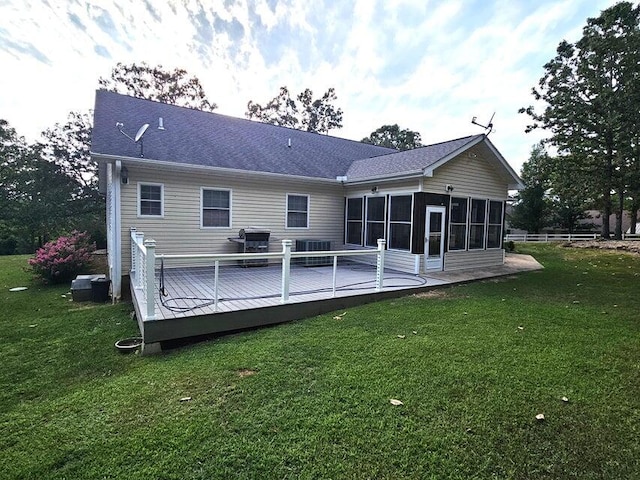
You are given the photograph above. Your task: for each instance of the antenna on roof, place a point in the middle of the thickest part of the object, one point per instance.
(488, 127)
(138, 137)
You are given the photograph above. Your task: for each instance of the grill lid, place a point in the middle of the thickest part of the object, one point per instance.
(253, 231)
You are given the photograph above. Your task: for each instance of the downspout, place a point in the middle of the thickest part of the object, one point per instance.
(116, 281)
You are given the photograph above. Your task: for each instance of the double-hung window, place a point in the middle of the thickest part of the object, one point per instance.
(297, 211)
(375, 220)
(477, 224)
(354, 221)
(150, 199)
(400, 222)
(216, 208)
(458, 222)
(494, 233)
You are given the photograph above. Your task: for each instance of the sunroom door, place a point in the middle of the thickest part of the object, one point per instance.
(434, 238)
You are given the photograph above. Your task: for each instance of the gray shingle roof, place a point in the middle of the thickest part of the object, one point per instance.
(193, 137)
(210, 139)
(408, 161)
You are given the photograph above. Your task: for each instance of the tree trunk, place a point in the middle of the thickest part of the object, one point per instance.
(619, 214)
(606, 213)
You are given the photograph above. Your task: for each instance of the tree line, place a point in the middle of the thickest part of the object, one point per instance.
(590, 92)
(50, 187)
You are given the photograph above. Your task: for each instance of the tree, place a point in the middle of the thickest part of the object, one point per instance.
(69, 145)
(391, 136)
(319, 115)
(175, 87)
(570, 191)
(586, 90)
(532, 210)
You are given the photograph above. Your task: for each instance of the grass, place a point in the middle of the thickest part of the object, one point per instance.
(310, 399)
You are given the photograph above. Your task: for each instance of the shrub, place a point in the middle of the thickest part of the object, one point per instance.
(509, 246)
(61, 260)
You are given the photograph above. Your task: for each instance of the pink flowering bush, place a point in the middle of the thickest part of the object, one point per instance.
(61, 260)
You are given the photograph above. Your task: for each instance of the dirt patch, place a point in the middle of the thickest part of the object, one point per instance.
(500, 279)
(437, 294)
(245, 372)
(619, 245)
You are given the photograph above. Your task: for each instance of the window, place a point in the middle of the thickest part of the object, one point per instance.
(494, 233)
(150, 200)
(375, 220)
(354, 221)
(476, 224)
(400, 222)
(458, 222)
(297, 211)
(216, 208)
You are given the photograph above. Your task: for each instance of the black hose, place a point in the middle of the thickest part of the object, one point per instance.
(208, 301)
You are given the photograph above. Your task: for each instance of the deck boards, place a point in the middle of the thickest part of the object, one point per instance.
(192, 289)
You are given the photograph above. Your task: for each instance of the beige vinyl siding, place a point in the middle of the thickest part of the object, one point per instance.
(257, 200)
(470, 177)
(460, 260)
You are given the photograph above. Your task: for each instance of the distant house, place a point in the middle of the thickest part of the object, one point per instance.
(195, 178)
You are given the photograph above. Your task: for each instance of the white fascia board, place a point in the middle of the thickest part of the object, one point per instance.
(428, 172)
(151, 163)
(382, 178)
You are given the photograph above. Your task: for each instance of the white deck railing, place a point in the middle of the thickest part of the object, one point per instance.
(561, 237)
(550, 237)
(143, 271)
(143, 260)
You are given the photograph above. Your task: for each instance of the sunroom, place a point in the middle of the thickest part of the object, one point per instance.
(427, 231)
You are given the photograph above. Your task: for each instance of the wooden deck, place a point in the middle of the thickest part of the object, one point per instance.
(250, 297)
(190, 291)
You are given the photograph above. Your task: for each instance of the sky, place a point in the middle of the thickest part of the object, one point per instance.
(427, 65)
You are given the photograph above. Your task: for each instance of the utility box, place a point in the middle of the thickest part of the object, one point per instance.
(314, 246)
(81, 288)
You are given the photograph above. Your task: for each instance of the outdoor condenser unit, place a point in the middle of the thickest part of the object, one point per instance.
(314, 246)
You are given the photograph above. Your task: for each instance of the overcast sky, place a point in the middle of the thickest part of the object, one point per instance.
(427, 65)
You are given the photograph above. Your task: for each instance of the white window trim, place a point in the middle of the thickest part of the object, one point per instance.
(202, 189)
(286, 211)
(366, 218)
(362, 221)
(389, 222)
(139, 199)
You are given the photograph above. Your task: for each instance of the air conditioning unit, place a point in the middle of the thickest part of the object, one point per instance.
(314, 246)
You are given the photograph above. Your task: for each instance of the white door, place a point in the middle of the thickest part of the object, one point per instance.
(434, 238)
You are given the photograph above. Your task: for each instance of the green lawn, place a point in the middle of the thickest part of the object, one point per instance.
(310, 399)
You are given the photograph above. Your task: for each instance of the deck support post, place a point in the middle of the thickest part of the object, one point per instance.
(215, 285)
(150, 281)
(335, 271)
(134, 253)
(140, 241)
(380, 264)
(286, 267)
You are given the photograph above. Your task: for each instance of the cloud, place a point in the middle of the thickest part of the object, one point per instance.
(426, 65)
(19, 49)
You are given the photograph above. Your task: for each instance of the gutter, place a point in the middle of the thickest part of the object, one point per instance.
(147, 162)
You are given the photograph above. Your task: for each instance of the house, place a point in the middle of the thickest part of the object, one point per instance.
(191, 180)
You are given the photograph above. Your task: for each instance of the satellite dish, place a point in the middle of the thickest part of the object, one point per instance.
(141, 131)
